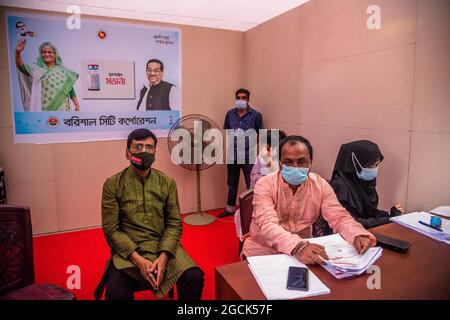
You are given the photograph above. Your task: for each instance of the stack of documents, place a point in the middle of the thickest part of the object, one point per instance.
(271, 273)
(411, 220)
(343, 259)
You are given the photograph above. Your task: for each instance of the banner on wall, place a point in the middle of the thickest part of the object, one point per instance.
(95, 83)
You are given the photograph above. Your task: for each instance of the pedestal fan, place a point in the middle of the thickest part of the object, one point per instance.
(192, 128)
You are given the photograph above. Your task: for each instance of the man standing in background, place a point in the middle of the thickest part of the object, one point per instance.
(240, 119)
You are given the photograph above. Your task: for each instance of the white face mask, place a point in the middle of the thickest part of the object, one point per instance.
(294, 175)
(240, 104)
(366, 174)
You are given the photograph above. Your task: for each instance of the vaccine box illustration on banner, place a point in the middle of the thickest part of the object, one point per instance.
(108, 79)
(94, 77)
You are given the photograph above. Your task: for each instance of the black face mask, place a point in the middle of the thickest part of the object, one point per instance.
(142, 160)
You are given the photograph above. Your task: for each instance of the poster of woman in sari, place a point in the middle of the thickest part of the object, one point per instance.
(46, 85)
(84, 84)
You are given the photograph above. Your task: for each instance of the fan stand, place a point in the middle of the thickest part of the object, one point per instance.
(199, 218)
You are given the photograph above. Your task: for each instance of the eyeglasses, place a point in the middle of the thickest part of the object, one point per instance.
(139, 147)
(155, 71)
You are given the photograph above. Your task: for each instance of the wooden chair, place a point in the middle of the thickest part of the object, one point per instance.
(16, 259)
(246, 212)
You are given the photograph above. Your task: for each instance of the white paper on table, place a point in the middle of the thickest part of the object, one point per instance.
(443, 211)
(271, 273)
(411, 220)
(346, 274)
(343, 259)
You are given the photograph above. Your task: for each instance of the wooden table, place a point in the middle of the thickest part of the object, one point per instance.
(421, 273)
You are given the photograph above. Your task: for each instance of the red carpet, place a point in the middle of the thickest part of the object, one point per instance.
(210, 246)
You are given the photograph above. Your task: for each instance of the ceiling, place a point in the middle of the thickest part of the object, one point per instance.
(239, 15)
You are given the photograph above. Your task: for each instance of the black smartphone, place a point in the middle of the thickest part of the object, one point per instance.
(392, 243)
(297, 279)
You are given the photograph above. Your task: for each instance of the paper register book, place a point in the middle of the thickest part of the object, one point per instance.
(343, 259)
(271, 273)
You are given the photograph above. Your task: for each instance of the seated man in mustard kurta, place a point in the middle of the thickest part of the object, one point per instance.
(142, 225)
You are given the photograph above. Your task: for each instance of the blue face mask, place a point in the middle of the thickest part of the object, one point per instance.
(240, 104)
(294, 176)
(366, 174)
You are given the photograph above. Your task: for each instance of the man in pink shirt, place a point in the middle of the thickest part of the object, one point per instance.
(287, 202)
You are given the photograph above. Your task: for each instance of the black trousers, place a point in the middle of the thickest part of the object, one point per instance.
(121, 286)
(233, 173)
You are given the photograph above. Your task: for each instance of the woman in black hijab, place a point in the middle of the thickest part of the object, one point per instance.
(354, 181)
